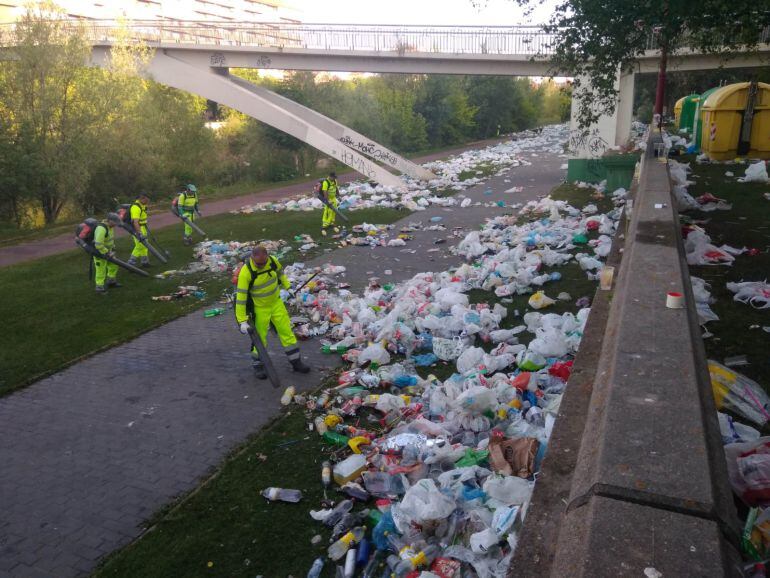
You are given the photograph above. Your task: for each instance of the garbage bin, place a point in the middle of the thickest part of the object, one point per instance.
(687, 112)
(678, 112)
(697, 122)
(620, 170)
(723, 113)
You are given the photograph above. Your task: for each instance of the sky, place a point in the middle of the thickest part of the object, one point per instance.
(423, 12)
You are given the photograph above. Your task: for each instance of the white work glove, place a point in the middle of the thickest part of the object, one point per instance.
(245, 327)
(284, 295)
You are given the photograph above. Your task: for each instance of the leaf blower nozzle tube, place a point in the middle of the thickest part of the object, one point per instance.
(91, 250)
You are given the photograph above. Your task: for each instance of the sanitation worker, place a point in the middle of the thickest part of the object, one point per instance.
(139, 222)
(105, 271)
(261, 290)
(328, 190)
(187, 204)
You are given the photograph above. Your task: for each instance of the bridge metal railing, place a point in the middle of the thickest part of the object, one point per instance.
(507, 40)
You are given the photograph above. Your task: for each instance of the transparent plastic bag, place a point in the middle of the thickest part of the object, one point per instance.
(447, 349)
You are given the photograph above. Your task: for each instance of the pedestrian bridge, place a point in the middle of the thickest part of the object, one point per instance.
(196, 56)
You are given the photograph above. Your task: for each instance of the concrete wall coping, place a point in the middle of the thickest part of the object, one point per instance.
(636, 450)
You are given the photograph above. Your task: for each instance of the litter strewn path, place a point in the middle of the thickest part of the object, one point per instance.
(90, 453)
(52, 245)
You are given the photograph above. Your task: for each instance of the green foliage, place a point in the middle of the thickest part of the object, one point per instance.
(73, 137)
(596, 38)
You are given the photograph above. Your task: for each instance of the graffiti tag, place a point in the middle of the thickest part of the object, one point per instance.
(590, 141)
(370, 149)
(263, 62)
(357, 163)
(218, 59)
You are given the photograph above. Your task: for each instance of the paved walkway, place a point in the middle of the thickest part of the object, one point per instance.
(90, 453)
(30, 250)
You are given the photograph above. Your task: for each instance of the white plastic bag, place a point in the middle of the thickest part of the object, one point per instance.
(755, 173)
(476, 400)
(423, 502)
(375, 353)
(508, 490)
(469, 360)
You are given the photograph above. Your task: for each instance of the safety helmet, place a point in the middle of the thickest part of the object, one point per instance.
(192, 188)
(333, 175)
(113, 217)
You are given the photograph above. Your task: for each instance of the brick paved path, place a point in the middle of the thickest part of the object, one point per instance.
(90, 453)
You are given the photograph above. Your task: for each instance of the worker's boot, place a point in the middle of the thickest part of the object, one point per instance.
(101, 289)
(145, 263)
(259, 369)
(132, 261)
(298, 366)
(323, 231)
(187, 241)
(113, 283)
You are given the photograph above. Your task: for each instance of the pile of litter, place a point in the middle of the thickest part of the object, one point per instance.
(419, 195)
(219, 257)
(442, 471)
(184, 291)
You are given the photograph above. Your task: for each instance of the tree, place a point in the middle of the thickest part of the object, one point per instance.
(39, 93)
(443, 103)
(595, 39)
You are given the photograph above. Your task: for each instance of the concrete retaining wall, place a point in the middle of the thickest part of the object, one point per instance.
(635, 475)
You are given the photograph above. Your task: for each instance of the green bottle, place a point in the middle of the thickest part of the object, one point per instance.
(335, 348)
(335, 438)
(213, 312)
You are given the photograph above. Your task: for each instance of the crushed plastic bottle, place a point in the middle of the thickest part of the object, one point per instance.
(341, 546)
(282, 495)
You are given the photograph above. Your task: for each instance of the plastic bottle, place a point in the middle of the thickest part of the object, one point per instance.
(320, 425)
(326, 474)
(382, 530)
(282, 495)
(213, 312)
(350, 563)
(334, 438)
(334, 348)
(420, 559)
(375, 566)
(341, 546)
(338, 512)
(316, 568)
(364, 550)
(323, 400)
(288, 395)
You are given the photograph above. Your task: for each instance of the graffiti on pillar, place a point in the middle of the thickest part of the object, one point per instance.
(218, 59)
(355, 162)
(370, 149)
(587, 140)
(263, 62)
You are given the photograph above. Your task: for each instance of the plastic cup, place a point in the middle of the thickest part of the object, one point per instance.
(605, 277)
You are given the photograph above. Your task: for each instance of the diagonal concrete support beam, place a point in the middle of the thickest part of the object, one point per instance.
(345, 135)
(207, 84)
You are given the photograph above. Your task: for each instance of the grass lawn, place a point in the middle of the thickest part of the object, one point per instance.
(747, 224)
(10, 235)
(228, 524)
(52, 317)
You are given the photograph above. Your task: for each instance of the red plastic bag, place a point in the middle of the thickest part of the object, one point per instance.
(561, 369)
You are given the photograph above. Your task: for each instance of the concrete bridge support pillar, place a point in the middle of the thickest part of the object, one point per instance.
(587, 146)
